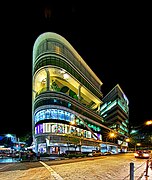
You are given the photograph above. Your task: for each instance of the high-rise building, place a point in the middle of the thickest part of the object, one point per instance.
(66, 98)
(69, 111)
(115, 113)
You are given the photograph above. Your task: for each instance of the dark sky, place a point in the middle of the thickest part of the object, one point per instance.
(113, 39)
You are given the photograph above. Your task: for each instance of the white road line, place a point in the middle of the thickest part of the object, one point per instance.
(53, 173)
(4, 166)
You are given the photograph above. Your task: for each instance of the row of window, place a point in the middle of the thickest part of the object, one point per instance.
(52, 101)
(53, 114)
(58, 114)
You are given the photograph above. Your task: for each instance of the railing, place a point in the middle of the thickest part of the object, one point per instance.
(139, 172)
(148, 165)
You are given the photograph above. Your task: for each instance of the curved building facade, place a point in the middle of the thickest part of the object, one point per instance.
(66, 98)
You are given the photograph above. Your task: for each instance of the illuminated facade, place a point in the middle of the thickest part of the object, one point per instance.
(115, 112)
(66, 98)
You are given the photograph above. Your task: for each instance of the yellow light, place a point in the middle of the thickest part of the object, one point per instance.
(112, 135)
(72, 122)
(127, 140)
(138, 144)
(149, 122)
(135, 154)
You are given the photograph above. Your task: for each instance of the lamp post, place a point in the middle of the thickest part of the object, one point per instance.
(128, 140)
(137, 144)
(148, 123)
(110, 135)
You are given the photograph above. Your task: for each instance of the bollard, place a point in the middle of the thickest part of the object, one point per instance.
(131, 171)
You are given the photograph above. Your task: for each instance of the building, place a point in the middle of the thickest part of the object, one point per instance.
(115, 113)
(141, 136)
(66, 98)
(11, 141)
(7, 140)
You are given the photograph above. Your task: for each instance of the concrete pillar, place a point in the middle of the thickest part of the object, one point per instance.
(47, 79)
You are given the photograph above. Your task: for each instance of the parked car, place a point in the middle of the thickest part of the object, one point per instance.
(142, 154)
(95, 153)
(107, 153)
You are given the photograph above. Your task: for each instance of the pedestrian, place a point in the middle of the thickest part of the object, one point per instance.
(20, 156)
(38, 156)
(29, 156)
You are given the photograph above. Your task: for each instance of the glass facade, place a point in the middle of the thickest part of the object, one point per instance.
(67, 99)
(115, 111)
(65, 90)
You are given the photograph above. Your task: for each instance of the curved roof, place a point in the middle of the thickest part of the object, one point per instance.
(58, 37)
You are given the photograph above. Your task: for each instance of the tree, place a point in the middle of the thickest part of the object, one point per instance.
(73, 140)
(27, 138)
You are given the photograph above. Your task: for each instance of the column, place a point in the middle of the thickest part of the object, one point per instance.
(47, 79)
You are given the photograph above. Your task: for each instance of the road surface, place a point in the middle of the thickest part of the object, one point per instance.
(113, 167)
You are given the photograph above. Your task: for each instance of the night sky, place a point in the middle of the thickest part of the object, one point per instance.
(113, 39)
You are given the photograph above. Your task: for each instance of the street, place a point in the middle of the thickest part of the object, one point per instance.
(113, 167)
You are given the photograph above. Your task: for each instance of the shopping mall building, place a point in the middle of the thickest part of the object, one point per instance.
(66, 100)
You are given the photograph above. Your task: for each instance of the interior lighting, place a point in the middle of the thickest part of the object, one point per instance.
(66, 76)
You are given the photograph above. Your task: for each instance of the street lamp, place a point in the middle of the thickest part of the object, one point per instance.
(137, 144)
(127, 140)
(148, 123)
(110, 136)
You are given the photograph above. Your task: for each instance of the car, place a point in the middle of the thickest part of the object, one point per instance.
(142, 154)
(95, 153)
(107, 153)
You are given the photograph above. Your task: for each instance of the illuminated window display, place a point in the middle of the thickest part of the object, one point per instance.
(54, 114)
(58, 128)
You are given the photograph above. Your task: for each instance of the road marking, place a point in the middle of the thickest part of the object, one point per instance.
(4, 166)
(53, 173)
